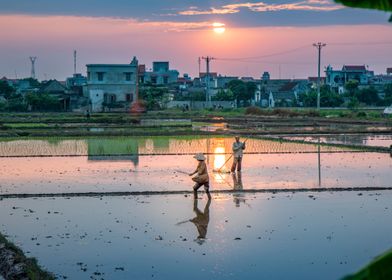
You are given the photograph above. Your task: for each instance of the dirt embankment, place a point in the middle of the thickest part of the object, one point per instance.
(14, 265)
(125, 125)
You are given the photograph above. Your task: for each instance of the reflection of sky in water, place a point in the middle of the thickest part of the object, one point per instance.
(147, 146)
(366, 140)
(164, 173)
(219, 161)
(282, 165)
(281, 236)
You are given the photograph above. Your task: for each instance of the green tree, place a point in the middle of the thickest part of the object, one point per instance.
(6, 90)
(242, 92)
(34, 83)
(309, 99)
(353, 103)
(16, 103)
(197, 96)
(154, 96)
(383, 5)
(328, 98)
(369, 96)
(351, 88)
(388, 95)
(42, 102)
(223, 95)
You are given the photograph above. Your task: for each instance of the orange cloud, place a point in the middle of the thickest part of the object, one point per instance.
(308, 5)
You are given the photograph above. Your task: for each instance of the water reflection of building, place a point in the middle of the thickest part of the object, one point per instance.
(134, 159)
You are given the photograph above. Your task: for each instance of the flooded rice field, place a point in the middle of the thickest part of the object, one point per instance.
(267, 236)
(348, 139)
(161, 164)
(147, 232)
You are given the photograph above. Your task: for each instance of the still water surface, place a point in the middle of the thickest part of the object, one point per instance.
(161, 164)
(266, 236)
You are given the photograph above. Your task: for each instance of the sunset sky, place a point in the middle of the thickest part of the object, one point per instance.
(274, 36)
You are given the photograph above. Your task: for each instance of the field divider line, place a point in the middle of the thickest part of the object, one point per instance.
(386, 150)
(183, 192)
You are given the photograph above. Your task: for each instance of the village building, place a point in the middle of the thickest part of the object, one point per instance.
(161, 74)
(336, 79)
(111, 85)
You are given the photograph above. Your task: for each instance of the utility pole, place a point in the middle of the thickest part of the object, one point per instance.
(74, 54)
(33, 59)
(319, 46)
(208, 59)
(199, 61)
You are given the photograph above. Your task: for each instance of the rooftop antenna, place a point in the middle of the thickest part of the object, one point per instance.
(33, 59)
(74, 54)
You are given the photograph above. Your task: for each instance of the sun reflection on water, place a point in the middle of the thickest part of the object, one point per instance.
(219, 161)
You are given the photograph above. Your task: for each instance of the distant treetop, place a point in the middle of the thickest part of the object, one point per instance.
(383, 5)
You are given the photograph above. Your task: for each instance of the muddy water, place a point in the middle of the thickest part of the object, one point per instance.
(159, 163)
(281, 236)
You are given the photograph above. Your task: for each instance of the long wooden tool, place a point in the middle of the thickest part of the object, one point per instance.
(219, 170)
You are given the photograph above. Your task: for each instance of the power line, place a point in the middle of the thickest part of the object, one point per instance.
(360, 43)
(253, 59)
(269, 62)
(267, 55)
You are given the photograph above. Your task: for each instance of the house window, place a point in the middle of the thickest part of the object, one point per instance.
(165, 80)
(100, 76)
(128, 97)
(128, 76)
(88, 76)
(153, 80)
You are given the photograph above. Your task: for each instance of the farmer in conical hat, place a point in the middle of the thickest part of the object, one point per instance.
(201, 179)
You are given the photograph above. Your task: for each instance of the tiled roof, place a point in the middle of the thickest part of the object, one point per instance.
(52, 86)
(212, 74)
(288, 86)
(354, 68)
(315, 79)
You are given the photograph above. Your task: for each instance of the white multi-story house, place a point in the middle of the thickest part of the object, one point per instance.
(109, 84)
(336, 79)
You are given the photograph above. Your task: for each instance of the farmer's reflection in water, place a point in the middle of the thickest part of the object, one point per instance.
(201, 220)
(237, 186)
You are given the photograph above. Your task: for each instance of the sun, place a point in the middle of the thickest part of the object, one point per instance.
(219, 27)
